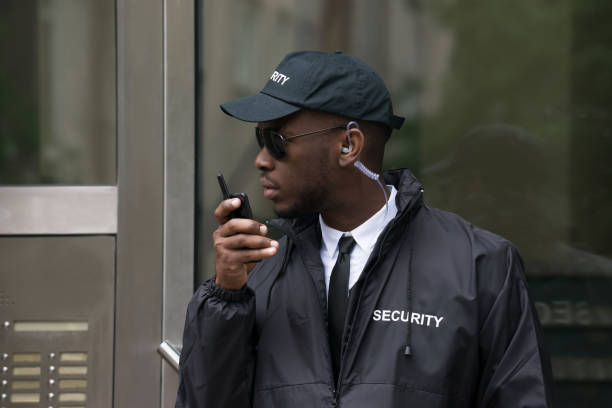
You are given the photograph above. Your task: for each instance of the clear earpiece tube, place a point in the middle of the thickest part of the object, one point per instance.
(362, 168)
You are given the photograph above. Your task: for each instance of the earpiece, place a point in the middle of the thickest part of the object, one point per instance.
(348, 136)
(349, 148)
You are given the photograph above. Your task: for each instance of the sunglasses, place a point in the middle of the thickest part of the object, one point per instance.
(275, 142)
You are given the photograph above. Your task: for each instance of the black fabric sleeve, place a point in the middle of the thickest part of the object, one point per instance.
(515, 369)
(216, 364)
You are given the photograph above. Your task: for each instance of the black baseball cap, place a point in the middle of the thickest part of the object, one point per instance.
(329, 82)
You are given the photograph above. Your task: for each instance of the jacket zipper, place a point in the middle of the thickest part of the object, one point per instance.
(336, 386)
(342, 355)
(336, 389)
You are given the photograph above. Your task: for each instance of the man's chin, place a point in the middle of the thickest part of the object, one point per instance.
(282, 213)
(289, 212)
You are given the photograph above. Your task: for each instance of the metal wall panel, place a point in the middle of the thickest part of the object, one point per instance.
(179, 164)
(179, 175)
(140, 211)
(151, 211)
(170, 385)
(57, 297)
(58, 210)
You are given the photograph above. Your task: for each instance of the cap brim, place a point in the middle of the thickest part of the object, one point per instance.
(258, 108)
(396, 121)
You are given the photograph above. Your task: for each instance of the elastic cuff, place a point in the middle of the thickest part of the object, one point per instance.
(212, 289)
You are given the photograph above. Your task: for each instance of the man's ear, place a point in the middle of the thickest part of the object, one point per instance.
(351, 147)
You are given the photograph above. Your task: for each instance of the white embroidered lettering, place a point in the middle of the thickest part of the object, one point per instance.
(279, 78)
(419, 319)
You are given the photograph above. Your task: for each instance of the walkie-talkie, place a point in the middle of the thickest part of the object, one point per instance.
(245, 208)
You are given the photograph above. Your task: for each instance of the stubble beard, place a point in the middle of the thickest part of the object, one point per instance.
(311, 199)
(310, 202)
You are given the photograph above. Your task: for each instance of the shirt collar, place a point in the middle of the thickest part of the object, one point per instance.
(367, 233)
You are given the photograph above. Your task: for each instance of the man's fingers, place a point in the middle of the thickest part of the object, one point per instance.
(245, 256)
(242, 226)
(239, 243)
(247, 241)
(224, 209)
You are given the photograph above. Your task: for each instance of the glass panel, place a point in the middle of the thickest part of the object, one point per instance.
(26, 357)
(72, 370)
(508, 124)
(57, 92)
(50, 326)
(26, 371)
(25, 385)
(73, 356)
(24, 398)
(73, 384)
(72, 397)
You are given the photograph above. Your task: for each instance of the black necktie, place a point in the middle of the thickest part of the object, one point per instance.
(337, 299)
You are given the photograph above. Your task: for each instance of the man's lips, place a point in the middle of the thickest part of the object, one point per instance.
(270, 189)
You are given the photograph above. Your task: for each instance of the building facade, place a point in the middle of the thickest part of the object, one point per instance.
(111, 139)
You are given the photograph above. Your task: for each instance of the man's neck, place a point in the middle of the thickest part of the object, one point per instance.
(355, 212)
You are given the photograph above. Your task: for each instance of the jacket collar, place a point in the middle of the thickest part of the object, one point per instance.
(408, 198)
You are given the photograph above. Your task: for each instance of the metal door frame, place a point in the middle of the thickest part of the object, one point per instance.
(151, 208)
(155, 243)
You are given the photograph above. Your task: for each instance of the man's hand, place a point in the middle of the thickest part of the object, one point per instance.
(239, 243)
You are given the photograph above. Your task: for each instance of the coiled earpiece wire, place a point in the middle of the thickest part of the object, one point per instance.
(363, 169)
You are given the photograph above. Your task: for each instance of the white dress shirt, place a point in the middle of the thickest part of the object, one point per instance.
(364, 235)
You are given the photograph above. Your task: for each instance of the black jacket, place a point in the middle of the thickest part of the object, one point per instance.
(440, 317)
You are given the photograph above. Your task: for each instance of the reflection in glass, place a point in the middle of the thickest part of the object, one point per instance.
(508, 124)
(57, 92)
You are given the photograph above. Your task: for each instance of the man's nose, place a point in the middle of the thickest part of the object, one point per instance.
(263, 160)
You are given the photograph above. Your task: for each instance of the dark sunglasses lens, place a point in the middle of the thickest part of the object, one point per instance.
(259, 137)
(272, 141)
(275, 144)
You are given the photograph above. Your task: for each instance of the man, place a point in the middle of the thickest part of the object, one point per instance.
(371, 299)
